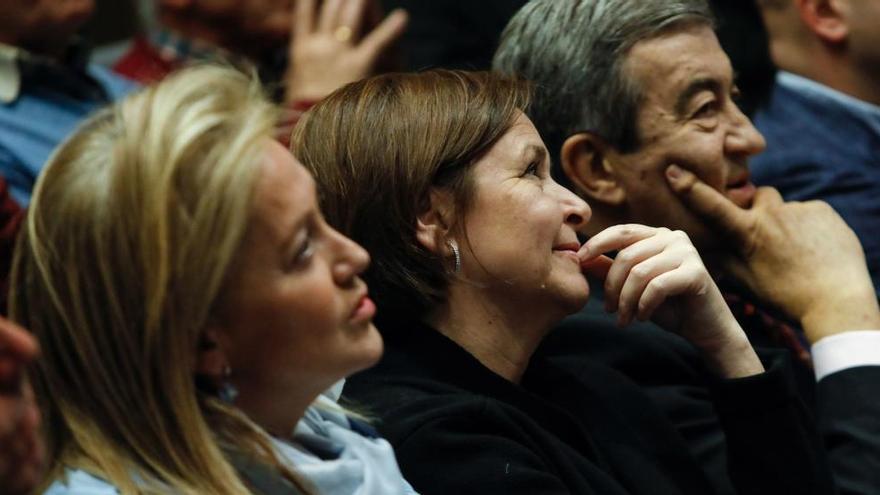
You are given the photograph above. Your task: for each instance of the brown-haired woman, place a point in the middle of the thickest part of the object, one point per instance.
(446, 182)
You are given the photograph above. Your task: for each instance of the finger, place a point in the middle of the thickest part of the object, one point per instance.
(624, 262)
(767, 196)
(707, 202)
(385, 34)
(304, 17)
(597, 267)
(352, 15)
(639, 278)
(662, 287)
(615, 238)
(328, 18)
(17, 341)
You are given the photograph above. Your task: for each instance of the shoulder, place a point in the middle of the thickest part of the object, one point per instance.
(116, 86)
(77, 482)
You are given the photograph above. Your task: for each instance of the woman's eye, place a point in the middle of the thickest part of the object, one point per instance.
(304, 253)
(532, 169)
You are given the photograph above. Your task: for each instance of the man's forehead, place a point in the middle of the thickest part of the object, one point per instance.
(674, 60)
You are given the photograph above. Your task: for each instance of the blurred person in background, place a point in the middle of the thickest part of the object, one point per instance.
(307, 48)
(21, 449)
(47, 85)
(822, 123)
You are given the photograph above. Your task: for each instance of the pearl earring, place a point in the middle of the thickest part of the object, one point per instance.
(227, 392)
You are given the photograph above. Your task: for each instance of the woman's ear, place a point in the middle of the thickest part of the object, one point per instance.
(211, 360)
(433, 223)
(586, 160)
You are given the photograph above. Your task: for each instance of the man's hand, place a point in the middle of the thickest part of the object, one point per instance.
(21, 451)
(329, 48)
(800, 257)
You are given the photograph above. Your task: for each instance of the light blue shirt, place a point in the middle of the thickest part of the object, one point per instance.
(35, 120)
(324, 450)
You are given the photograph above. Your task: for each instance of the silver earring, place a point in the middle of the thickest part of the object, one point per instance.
(455, 252)
(227, 392)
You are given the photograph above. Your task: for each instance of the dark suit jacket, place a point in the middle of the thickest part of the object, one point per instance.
(849, 420)
(672, 373)
(459, 428)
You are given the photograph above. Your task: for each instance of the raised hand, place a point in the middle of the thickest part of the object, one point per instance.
(800, 257)
(329, 48)
(21, 451)
(658, 274)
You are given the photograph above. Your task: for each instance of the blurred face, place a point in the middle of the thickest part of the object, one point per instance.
(250, 20)
(862, 17)
(687, 117)
(42, 25)
(294, 316)
(522, 226)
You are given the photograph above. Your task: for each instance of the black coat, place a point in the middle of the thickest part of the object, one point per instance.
(459, 428)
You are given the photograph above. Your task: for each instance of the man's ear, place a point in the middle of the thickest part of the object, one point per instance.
(586, 161)
(827, 19)
(433, 223)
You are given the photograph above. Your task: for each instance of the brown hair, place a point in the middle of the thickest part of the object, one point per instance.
(378, 146)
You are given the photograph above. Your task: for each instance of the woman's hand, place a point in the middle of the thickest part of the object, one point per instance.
(329, 49)
(658, 274)
(21, 451)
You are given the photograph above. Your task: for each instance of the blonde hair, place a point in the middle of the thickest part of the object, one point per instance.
(131, 230)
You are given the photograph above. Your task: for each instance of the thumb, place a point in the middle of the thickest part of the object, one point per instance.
(706, 202)
(597, 267)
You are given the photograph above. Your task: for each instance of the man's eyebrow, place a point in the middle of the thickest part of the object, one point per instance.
(696, 86)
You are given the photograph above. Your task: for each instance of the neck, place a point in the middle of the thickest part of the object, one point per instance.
(502, 335)
(831, 67)
(276, 413)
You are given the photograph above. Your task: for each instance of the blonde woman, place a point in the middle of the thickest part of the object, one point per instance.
(192, 305)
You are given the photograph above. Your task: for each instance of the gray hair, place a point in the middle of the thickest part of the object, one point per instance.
(574, 51)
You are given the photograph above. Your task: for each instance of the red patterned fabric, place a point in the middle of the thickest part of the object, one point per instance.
(11, 216)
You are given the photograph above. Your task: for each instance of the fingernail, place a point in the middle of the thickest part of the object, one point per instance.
(673, 172)
(584, 251)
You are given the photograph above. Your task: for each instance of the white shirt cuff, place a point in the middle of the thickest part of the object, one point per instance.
(846, 350)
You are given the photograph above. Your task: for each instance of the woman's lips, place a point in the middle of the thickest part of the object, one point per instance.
(569, 250)
(364, 311)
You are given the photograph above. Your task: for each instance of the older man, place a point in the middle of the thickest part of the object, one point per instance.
(636, 100)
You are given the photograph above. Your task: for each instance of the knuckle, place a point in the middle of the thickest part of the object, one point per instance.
(657, 285)
(625, 256)
(641, 272)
